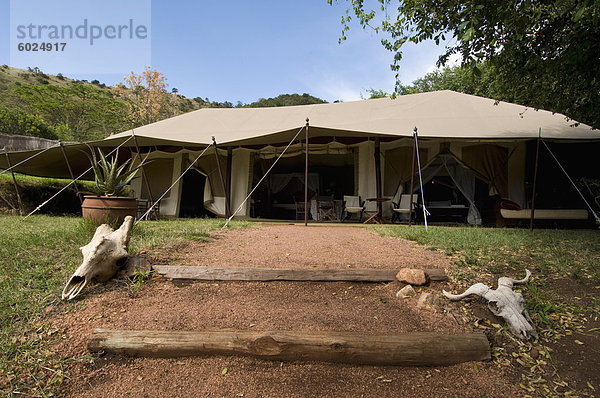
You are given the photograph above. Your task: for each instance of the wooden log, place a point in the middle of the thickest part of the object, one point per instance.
(436, 274)
(283, 274)
(409, 349)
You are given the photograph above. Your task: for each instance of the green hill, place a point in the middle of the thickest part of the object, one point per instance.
(41, 105)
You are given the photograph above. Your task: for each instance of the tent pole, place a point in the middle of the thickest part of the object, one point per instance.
(62, 148)
(412, 179)
(227, 210)
(420, 178)
(14, 181)
(535, 172)
(306, 176)
(144, 176)
(228, 179)
(377, 151)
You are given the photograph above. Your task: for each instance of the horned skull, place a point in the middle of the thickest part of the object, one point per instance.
(505, 303)
(100, 257)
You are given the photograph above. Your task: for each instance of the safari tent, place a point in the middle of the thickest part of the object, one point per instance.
(471, 149)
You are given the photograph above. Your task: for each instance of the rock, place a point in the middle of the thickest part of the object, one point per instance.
(136, 264)
(425, 301)
(412, 276)
(406, 291)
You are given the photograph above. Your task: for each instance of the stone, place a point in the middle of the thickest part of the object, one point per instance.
(135, 265)
(412, 276)
(406, 291)
(425, 301)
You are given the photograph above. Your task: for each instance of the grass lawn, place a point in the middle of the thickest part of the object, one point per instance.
(37, 256)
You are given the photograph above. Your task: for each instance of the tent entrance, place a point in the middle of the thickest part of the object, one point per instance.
(328, 174)
(445, 202)
(192, 196)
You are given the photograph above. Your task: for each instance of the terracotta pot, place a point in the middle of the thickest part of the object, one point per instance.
(108, 209)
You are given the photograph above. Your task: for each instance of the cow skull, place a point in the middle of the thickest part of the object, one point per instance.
(506, 303)
(100, 257)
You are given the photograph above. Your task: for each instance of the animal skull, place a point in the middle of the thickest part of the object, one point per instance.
(100, 257)
(505, 303)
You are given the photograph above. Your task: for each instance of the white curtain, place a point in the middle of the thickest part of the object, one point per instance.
(464, 181)
(280, 181)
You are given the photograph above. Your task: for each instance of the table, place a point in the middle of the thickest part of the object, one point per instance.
(377, 218)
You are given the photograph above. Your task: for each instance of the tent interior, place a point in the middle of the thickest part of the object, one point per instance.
(328, 174)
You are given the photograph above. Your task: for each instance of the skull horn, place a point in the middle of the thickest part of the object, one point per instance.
(479, 289)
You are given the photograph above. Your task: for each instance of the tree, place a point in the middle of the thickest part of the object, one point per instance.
(286, 100)
(373, 93)
(147, 96)
(77, 111)
(545, 53)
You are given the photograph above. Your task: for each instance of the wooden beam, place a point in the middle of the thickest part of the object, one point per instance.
(412, 181)
(379, 193)
(283, 274)
(409, 349)
(228, 181)
(306, 175)
(14, 179)
(535, 173)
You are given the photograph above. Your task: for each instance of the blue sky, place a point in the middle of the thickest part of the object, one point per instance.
(234, 50)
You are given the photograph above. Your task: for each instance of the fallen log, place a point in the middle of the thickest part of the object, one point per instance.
(409, 349)
(282, 274)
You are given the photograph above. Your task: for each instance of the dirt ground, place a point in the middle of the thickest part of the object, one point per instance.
(163, 304)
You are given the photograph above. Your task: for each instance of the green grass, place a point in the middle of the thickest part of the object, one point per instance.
(37, 256)
(484, 254)
(566, 253)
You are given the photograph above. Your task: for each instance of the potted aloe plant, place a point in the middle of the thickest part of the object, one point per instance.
(110, 204)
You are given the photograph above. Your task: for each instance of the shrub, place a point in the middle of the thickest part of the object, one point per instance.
(19, 122)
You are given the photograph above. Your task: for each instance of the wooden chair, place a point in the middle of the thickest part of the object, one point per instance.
(325, 208)
(353, 205)
(403, 206)
(299, 205)
(142, 207)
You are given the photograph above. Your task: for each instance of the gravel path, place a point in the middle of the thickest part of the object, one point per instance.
(297, 246)
(339, 306)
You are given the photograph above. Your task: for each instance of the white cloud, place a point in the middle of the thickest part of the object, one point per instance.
(334, 88)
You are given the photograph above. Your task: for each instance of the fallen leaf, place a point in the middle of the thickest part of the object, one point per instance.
(475, 367)
(140, 378)
(224, 371)
(590, 385)
(579, 342)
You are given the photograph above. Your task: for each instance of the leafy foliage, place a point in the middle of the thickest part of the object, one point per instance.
(19, 122)
(111, 179)
(79, 111)
(545, 53)
(286, 100)
(147, 97)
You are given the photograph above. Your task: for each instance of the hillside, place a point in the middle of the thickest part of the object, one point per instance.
(55, 107)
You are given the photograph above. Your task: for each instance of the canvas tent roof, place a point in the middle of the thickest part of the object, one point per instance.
(440, 114)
